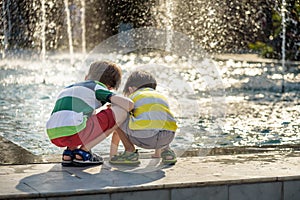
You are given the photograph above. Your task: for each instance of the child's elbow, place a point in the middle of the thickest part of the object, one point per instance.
(130, 105)
(124, 102)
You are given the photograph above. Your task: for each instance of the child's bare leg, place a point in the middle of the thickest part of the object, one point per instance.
(126, 142)
(156, 153)
(97, 140)
(115, 140)
(120, 115)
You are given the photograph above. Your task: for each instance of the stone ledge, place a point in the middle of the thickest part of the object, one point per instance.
(235, 176)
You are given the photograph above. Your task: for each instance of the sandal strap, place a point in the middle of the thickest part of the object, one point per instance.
(88, 155)
(68, 152)
(85, 155)
(168, 152)
(127, 156)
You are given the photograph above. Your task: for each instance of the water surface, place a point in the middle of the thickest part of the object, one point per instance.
(257, 113)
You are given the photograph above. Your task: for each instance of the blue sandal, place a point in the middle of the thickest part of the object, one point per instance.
(67, 152)
(88, 158)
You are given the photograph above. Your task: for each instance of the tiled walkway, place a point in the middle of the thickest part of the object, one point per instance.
(269, 176)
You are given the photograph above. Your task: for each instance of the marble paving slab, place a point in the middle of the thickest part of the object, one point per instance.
(234, 176)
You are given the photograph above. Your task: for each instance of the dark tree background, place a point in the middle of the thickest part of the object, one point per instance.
(238, 26)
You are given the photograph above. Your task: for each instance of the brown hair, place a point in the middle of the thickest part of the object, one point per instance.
(105, 72)
(139, 79)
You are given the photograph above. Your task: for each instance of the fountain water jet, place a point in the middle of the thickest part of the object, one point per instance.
(283, 20)
(43, 25)
(169, 12)
(208, 22)
(6, 32)
(69, 29)
(83, 39)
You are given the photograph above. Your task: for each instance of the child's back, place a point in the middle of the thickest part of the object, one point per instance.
(151, 111)
(151, 125)
(74, 122)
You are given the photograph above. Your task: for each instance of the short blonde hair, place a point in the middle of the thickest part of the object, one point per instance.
(105, 72)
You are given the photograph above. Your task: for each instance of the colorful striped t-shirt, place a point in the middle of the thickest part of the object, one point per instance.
(74, 105)
(151, 111)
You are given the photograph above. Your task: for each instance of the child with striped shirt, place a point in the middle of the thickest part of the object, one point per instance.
(74, 123)
(150, 125)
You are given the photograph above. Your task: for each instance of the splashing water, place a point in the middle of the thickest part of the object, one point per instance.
(283, 21)
(43, 37)
(258, 112)
(83, 27)
(68, 17)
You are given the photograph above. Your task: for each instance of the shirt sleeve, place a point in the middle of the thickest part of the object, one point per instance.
(103, 94)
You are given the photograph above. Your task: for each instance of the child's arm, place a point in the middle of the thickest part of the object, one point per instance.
(123, 102)
(114, 144)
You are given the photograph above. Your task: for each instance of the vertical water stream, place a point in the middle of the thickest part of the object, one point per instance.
(43, 26)
(283, 24)
(5, 19)
(69, 29)
(83, 39)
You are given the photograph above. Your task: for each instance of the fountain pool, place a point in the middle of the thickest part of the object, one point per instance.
(257, 113)
(257, 104)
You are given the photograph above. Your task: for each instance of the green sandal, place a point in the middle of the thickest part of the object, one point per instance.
(168, 153)
(126, 158)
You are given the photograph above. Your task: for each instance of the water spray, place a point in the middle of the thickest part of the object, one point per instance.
(283, 20)
(43, 25)
(69, 28)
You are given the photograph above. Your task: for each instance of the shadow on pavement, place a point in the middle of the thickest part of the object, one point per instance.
(58, 180)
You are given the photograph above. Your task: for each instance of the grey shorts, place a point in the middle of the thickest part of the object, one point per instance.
(148, 139)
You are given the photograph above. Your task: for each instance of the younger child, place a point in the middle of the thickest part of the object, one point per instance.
(73, 122)
(150, 125)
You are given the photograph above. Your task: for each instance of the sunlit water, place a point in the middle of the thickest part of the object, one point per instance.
(257, 113)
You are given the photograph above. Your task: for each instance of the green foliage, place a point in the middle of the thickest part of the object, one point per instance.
(272, 46)
(265, 50)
